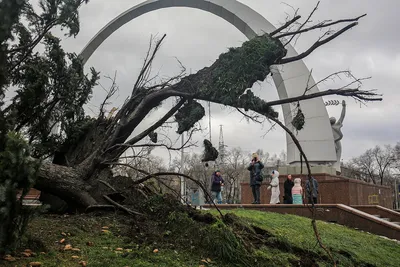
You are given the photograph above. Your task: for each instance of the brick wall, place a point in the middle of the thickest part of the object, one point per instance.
(332, 190)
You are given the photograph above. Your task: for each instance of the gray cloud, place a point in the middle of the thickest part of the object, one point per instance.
(197, 38)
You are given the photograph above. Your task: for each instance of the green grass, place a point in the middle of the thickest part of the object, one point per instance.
(287, 240)
(48, 231)
(351, 247)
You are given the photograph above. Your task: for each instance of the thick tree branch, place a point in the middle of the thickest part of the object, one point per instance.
(119, 148)
(156, 125)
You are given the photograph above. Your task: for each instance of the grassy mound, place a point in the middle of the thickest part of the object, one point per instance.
(293, 234)
(173, 235)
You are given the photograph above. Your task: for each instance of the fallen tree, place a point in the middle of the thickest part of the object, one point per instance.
(52, 89)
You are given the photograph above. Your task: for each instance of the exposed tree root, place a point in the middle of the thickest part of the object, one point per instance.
(129, 211)
(99, 207)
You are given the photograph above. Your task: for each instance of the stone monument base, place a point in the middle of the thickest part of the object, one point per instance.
(333, 189)
(296, 169)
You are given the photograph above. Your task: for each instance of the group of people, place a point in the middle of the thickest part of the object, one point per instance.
(293, 191)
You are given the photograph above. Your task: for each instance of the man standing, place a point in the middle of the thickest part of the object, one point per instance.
(312, 195)
(287, 186)
(255, 177)
(217, 182)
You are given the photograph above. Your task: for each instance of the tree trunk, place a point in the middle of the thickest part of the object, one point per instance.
(65, 183)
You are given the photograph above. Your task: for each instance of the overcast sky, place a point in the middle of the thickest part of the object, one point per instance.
(196, 38)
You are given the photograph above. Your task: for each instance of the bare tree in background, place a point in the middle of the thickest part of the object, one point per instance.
(376, 164)
(235, 172)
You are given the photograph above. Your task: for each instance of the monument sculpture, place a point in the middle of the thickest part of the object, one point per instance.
(338, 135)
(316, 137)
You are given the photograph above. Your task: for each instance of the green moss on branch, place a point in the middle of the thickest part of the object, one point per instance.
(226, 81)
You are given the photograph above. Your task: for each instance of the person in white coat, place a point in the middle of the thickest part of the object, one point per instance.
(274, 187)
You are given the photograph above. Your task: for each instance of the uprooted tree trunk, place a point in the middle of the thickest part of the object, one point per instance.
(78, 168)
(224, 82)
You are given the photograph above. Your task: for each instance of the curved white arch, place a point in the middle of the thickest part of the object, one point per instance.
(316, 138)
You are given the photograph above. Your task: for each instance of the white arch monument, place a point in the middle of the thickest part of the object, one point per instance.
(291, 79)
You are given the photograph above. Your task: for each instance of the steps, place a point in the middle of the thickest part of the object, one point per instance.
(381, 213)
(385, 219)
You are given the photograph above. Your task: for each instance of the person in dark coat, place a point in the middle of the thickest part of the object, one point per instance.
(287, 188)
(216, 183)
(255, 177)
(312, 196)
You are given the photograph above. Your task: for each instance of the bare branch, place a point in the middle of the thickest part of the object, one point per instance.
(108, 185)
(313, 209)
(99, 207)
(316, 45)
(302, 25)
(158, 145)
(110, 93)
(355, 93)
(147, 64)
(253, 118)
(321, 25)
(155, 175)
(284, 26)
(132, 212)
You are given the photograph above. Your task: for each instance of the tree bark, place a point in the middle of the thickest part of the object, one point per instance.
(66, 183)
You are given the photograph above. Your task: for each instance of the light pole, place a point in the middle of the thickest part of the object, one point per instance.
(183, 184)
(396, 192)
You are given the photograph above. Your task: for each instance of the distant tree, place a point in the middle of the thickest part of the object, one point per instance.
(235, 171)
(377, 163)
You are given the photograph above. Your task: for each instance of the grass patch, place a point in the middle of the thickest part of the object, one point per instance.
(172, 235)
(45, 233)
(350, 247)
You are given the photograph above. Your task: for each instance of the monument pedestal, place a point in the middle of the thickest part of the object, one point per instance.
(296, 169)
(333, 189)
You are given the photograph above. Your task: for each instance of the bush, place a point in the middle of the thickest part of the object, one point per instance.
(18, 171)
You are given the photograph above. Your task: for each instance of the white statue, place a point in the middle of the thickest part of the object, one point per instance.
(338, 135)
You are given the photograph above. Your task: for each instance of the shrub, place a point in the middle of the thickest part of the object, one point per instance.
(18, 171)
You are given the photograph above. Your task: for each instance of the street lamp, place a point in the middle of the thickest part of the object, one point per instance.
(396, 192)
